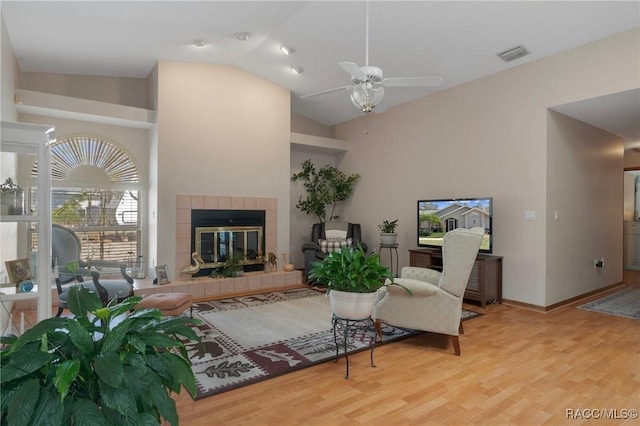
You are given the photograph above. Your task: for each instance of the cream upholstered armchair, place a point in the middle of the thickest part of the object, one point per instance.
(436, 304)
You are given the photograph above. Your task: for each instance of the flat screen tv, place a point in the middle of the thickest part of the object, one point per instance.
(438, 216)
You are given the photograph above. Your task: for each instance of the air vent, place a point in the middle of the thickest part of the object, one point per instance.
(513, 53)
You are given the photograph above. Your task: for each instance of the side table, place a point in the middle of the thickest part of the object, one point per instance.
(391, 247)
(345, 326)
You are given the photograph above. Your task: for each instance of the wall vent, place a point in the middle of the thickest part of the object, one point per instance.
(513, 53)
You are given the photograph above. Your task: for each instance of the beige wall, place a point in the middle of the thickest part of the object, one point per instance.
(221, 131)
(586, 190)
(488, 138)
(307, 126)
(8, 75)
(114, 90)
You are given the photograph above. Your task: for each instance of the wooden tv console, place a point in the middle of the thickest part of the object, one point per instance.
(485, 282)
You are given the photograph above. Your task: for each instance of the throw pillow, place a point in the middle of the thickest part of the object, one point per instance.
(335, 234)
(328, 246)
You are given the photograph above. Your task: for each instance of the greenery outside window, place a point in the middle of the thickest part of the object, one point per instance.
(96, 192)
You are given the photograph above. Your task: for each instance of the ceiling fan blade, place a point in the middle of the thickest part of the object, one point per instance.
(353, 69)
(324, 92)
(412, 81)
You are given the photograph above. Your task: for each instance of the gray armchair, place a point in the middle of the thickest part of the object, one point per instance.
(329, 236)
(66, 248)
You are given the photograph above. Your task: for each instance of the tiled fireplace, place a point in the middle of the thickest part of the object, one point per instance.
(186, 203)
(205, 287)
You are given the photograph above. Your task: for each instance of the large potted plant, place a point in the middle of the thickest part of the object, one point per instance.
(99, 367)
(352, 278)
(325, 187)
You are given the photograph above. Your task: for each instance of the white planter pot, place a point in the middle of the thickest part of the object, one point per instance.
(352, 306)
(386, 238)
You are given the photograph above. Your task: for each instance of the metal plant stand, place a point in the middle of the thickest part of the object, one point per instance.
(346, 327)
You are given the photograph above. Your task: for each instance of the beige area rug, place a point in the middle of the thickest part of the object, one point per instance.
(252, 338)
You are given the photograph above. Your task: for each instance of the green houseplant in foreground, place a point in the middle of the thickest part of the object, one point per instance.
(350, 270)
(94, 369)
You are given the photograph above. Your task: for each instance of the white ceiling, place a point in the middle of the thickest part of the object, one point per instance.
(453, 39)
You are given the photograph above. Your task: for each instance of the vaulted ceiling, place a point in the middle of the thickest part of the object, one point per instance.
(456, 40)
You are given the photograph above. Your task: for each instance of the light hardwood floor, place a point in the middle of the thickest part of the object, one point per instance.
(517, 367)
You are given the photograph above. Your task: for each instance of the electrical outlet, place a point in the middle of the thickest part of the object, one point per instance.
(598, 263)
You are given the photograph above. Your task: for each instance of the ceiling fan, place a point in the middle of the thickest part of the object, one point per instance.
(368, 82)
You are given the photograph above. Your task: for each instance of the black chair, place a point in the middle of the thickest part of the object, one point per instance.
(328, 236)
(66, 250)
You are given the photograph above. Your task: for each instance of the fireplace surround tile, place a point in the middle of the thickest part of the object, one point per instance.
(210, 203)
(206, 287)
(197, 202)
(224, 203)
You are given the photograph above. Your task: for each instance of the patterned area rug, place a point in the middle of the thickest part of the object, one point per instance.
(252, 338)
(624, 303)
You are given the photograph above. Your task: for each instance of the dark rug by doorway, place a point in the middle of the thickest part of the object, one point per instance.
(252, 338)
(624, 303)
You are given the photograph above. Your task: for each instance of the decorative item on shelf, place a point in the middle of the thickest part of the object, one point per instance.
(95, 368)
(193, 269)
(33, 263)
(162, 275)
(25, 286)
(140, 268)
(270, 262)
(352, 279)
(287, 261)
(11, 198)
(388, 235)
(18, 271)
(325, 187)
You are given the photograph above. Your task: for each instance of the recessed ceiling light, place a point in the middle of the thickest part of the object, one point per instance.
(287, 50)
(297, 70)
(243, 36)
(199, 43)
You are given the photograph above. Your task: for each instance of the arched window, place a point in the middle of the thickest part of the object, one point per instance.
(95, 191)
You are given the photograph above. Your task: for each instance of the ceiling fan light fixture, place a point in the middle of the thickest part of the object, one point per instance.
(365, 97)
(199, 43)
(287, 50)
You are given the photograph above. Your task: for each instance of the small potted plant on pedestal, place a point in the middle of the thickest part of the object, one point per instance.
(388, 235)
(352, 279)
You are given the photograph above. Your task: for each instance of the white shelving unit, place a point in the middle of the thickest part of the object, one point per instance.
(22, 146)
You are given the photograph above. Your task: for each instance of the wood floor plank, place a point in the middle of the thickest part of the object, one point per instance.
(518, 366)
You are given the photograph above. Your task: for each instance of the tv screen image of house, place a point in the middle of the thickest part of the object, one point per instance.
(438, 216)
